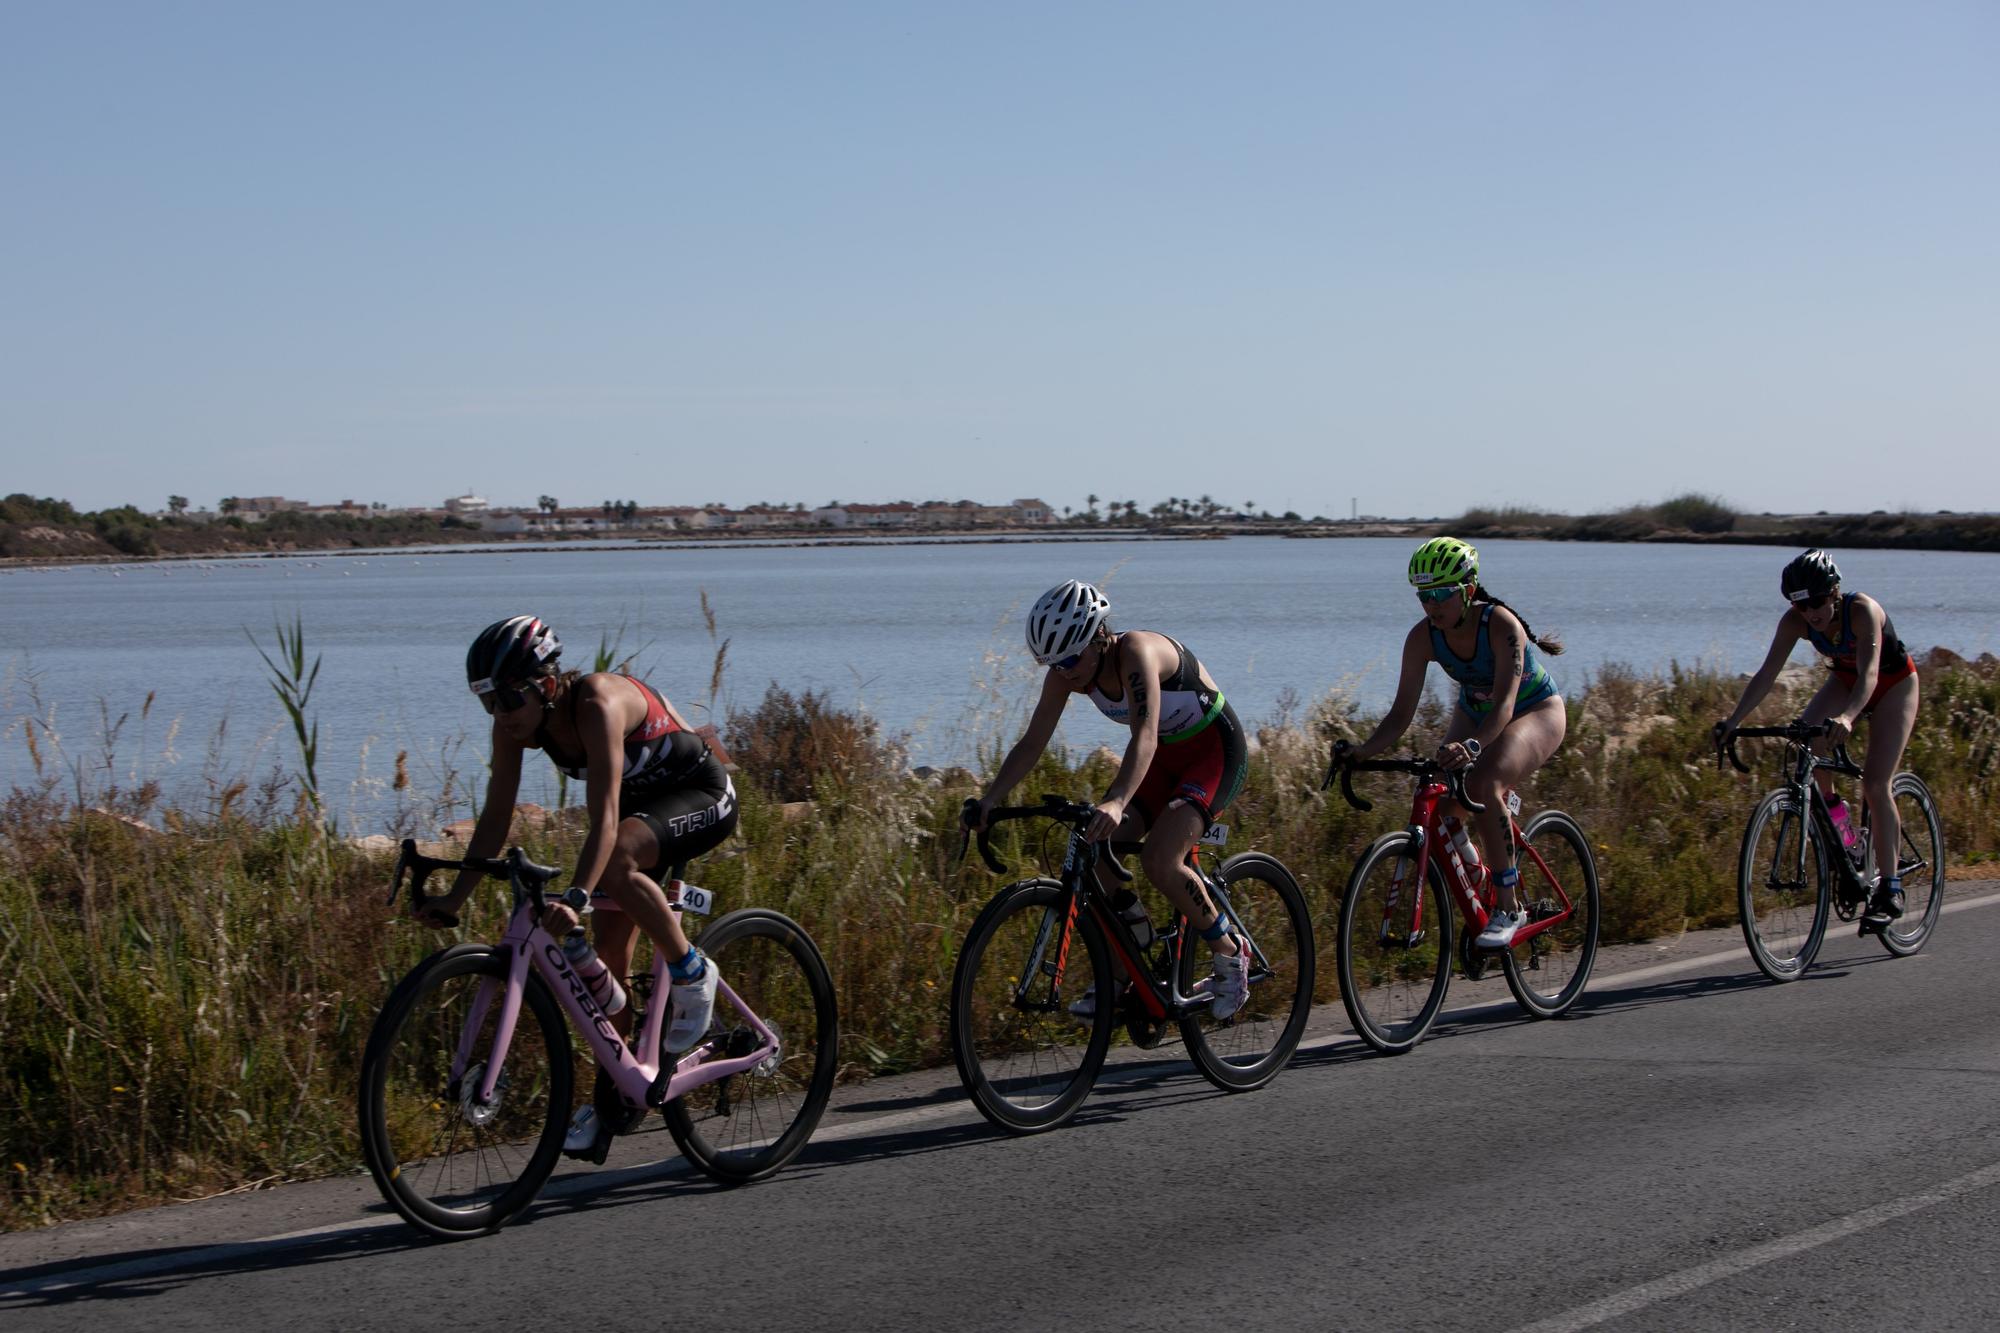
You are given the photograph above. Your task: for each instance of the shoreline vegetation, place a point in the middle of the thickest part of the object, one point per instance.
(186, 986)
(50, 532)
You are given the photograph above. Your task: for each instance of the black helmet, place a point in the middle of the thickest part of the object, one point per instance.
(510, 651)
(1812, 574)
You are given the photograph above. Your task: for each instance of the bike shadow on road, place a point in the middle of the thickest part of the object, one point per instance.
(138, 1274)
(159, 1271)
(1644, 995)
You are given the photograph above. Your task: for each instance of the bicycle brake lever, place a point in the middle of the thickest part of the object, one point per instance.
(402, 865)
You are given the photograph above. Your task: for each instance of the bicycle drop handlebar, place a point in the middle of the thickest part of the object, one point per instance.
(1076, 814)
(1424, 770)
(1797, 733)
(514, 867)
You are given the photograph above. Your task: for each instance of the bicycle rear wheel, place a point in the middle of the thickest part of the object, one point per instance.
(748, 1126)
(1247, 1049)
(1784, 886)
(1548, 971)
(1392, 979)
(1920, 861)
(1024, 1058)
(450, 1164)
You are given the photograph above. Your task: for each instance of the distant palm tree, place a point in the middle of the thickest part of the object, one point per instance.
(229, 504)
(177, 505)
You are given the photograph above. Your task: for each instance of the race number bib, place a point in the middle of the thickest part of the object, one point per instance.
(692, 898)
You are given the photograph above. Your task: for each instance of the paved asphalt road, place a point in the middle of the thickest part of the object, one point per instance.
(1696, 1148)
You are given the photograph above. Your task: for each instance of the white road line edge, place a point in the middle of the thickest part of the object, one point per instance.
(1660, 1289)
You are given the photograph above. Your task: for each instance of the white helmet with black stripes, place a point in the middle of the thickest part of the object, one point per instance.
(1064, 619)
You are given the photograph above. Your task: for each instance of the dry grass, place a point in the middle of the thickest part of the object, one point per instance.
(183, 1010)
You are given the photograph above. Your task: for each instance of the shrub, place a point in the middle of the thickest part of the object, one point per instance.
(1696, 513)
(792, 745)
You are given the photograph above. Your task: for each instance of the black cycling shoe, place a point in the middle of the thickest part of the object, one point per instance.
(1883, 907)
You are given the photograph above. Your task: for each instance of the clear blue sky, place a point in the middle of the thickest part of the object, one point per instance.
(1427, 255)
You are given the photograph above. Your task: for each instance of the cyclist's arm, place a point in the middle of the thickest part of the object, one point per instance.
(1866, 626)
(1144, 661)
(1790, 630)
(1409, 688)
(601, 725)
(1020, 760)
(503, 784)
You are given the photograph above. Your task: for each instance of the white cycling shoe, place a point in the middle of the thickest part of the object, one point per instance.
(1228, 986)
(1501, 928)
(582, 1137)
(691, 1008)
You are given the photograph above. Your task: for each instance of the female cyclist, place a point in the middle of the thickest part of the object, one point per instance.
(1509, 718)
(1871, 672)
(656, 798)
(1183, 765)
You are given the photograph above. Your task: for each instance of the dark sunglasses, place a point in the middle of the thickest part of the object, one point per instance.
(1814, 603)
(1067, 663)
(1444, 594)
(506, 698)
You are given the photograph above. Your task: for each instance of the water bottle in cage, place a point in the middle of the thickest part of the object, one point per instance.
(590, 970)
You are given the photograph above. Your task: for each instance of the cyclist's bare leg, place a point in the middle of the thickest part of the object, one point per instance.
(1164, 857)
(1893, 719)
(1530, 738)
(644, 907)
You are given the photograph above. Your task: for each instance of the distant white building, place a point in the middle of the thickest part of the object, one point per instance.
(466, 506)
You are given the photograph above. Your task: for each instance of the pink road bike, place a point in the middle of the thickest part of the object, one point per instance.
(467, 1082)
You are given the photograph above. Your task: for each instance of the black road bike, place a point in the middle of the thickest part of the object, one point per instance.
(1794, 870)
(1028, 1059)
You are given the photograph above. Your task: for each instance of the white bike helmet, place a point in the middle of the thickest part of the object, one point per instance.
(1064, 619)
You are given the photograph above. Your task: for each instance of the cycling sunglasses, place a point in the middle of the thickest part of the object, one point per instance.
(1443, 594)
(1812, 603)
(503, 698)
(1067, 663)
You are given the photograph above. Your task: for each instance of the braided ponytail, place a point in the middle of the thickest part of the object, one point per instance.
(1551, 644)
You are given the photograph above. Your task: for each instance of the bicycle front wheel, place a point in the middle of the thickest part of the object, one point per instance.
(1247, 1049)
(1548, 971)
(1784, 886)
(1394, 971)
(1026, 1060)
(1920, 861)
(748, 1126)
(450, 1163)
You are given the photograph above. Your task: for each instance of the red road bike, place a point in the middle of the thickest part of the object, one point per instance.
(1396, 943)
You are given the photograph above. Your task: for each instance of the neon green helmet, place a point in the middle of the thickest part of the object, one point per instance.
(1442, 561)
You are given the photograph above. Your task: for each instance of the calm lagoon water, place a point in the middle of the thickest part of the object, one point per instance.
(925, 638)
